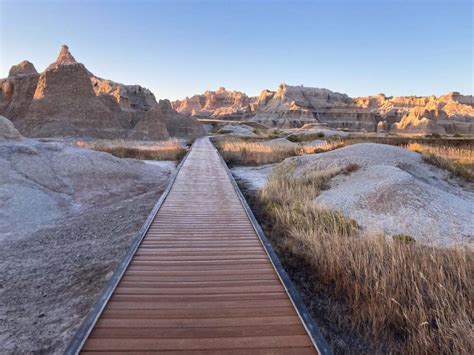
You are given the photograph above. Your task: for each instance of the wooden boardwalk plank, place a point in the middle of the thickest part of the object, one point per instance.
(201, 281)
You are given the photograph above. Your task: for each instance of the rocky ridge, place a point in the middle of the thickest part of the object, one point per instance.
(294, 106)
(216, 104)
(451, 113)
(68, 100)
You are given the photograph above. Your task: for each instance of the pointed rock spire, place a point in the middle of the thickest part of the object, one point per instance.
(65, 57)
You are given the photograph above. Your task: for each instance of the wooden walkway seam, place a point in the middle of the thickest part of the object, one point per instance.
(200, 278)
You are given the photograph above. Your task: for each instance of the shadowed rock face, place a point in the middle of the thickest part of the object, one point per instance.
(67, 100)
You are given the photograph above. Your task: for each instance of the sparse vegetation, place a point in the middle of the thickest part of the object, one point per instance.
(328, 146)
(454, 155)
(404, 297)
(458, 161)
(305, 137)
(256, 152)
(456, 169)
(239, 151)
(162, 150)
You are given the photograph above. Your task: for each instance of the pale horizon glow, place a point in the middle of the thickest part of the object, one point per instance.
(182, 48)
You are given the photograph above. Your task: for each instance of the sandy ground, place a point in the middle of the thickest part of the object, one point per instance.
(393, 192)
(67, 217)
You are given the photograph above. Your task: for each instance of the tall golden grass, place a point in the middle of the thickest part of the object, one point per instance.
(244, 152)
(162, 150)
(458, 160)
(253, 153)
(410, 298)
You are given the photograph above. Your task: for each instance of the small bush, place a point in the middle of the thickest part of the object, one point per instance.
(403, 238)
(295, 139)
(433, 135)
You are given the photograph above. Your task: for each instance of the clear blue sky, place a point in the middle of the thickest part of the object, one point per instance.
(180, 48)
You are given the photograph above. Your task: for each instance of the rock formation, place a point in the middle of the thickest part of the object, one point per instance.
(67, 100)
(451, 113)
(382, 127)
(16, 92)
(216, 104)
(8, 130)
(294, 106)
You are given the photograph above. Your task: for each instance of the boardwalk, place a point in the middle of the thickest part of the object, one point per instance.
(201, 281)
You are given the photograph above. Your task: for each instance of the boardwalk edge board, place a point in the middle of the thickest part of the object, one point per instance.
(89, 322)
(311, 327)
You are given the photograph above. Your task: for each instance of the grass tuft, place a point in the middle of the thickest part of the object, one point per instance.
(456, 169)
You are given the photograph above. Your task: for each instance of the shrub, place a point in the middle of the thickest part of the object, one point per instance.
(403, 238)
(294, 138)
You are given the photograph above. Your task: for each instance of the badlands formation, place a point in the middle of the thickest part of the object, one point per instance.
(68, 100)
(294, 106)
(221, 103)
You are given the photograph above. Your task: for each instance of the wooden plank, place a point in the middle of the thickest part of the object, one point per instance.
(197, 322)
(268, 351)
(186, 344)
(196, 290)
(204, 277)
(212, 297)
(194, 284)
(198, 304)
(198, 332)
(198, 313)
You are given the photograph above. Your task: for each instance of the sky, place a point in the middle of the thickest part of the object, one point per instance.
(181, 48)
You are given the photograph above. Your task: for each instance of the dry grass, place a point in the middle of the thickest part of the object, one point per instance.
(457, 160)
(328, 146)
(409, 297)
(236, 151)
(245, 152)
(161, 150)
